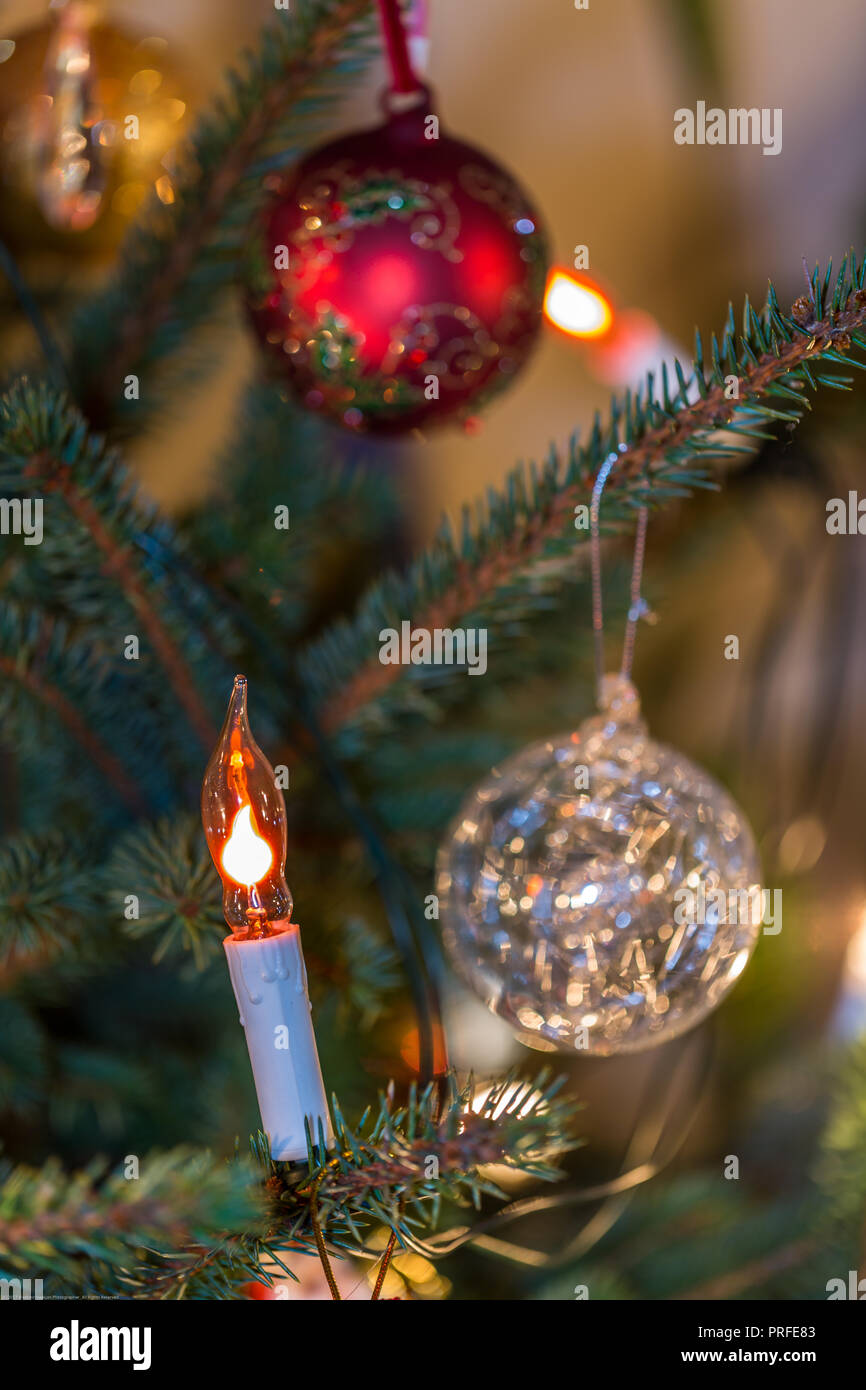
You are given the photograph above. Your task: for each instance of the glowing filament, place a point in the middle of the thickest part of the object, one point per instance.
(576, 307)
(246, 857)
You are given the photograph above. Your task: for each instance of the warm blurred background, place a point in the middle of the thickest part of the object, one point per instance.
(579, 105)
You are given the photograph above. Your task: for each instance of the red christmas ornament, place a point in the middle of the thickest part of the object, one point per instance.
(401, 276)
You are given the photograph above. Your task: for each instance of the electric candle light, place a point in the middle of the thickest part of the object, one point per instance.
(622, 345)
(576, 306)
(244, 817)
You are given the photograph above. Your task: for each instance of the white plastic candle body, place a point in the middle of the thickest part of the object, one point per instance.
(270, 984)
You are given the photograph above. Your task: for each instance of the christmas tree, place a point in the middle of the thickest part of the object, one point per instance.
(459, 1160)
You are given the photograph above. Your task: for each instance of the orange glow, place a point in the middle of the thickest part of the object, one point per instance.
(576, 306)
(410, 1051)
(247, 857)
(244, 818)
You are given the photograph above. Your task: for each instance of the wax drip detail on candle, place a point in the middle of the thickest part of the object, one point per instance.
(244, 819)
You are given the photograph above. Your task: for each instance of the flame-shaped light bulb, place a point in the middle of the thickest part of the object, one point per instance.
(244, 817)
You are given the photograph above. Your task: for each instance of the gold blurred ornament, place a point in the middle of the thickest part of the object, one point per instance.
(89, 118)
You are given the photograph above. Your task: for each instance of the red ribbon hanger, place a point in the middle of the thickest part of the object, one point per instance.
(403, 79)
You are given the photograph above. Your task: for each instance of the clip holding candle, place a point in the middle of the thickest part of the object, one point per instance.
(244, 817)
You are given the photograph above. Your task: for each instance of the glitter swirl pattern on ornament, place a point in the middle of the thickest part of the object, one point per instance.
(398, 279)
(558, 881)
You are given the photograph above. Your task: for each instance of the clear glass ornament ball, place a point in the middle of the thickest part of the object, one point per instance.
(598, 890)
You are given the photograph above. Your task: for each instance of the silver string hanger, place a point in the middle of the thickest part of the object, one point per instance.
(637, 604)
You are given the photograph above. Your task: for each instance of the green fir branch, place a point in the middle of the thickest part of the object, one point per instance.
(366, 971)
(46, 900)
(841, 1170)
(47, 452)
(517, 545)
(23, 1055)
(50, 680)
(178, 257)
(340, 516)
(190, 1226)
(167, 869)
(85, 1232)
(404, 1161)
